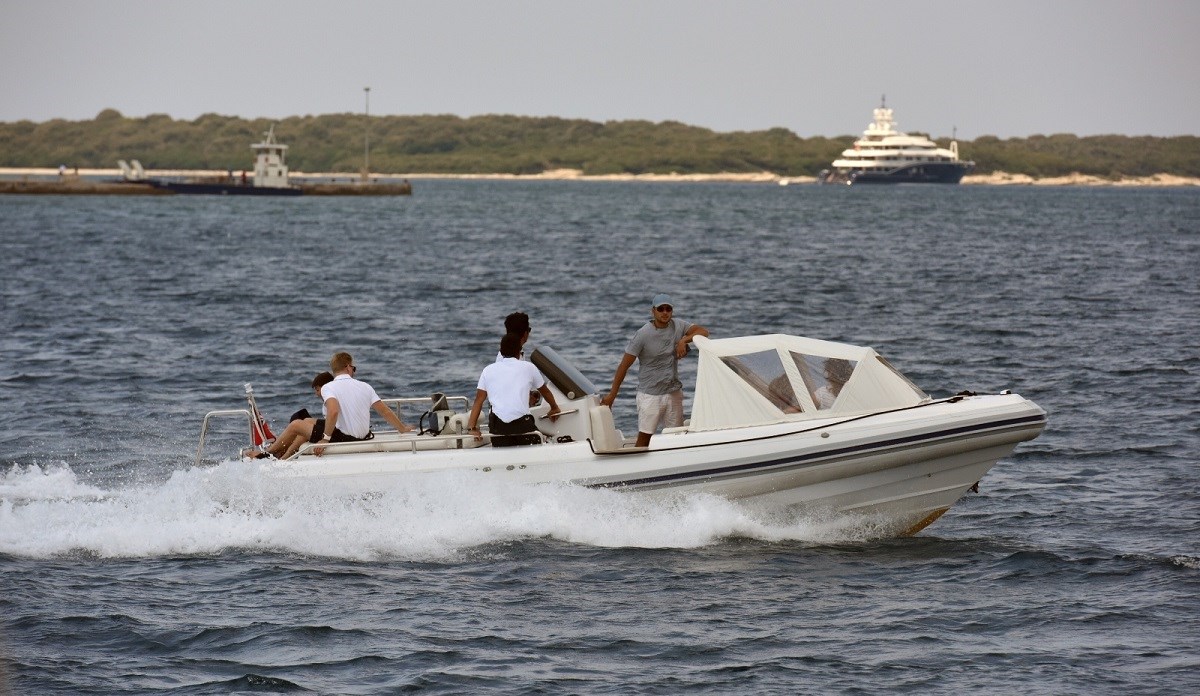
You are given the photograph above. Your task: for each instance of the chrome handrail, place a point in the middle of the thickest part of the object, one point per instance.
(401, 400)
(231, 412)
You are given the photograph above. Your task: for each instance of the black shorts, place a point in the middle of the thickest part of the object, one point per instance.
(522, 431)
(337, 436)
(524, 424)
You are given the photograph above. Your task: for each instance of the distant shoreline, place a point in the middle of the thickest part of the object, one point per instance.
(993, 179)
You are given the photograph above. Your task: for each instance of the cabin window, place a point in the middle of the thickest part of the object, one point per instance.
(824, 377)
(764, 372)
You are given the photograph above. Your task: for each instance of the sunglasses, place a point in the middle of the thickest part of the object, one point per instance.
(663, 308)
(353, 369)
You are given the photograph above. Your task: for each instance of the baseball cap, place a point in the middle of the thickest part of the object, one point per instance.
(661, 299)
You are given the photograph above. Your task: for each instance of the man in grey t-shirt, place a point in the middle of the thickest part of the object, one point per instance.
(657, 347)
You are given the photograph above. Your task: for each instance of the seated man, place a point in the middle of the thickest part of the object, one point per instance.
(348, 404)
(506, 384)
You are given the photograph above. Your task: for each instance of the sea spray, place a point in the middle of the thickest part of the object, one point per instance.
(438, 517)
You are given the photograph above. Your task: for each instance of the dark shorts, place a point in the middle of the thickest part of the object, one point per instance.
(524, 424)
(522, 431)
(337, 436)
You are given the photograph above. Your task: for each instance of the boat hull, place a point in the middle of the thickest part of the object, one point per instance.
(919, 173)
(902, 469)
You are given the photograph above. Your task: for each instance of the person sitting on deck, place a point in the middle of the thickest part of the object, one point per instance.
(348, 404)
(506, 384)
(301, 427)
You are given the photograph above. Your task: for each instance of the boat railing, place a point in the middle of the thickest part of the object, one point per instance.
(382, 443)
(378, 444)
(244, 412)
(411, 400)
(397, 403)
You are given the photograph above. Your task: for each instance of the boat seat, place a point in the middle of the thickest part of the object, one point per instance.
(605, 436)
(397, 442)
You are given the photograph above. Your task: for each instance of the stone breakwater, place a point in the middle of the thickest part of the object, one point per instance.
(109, 183)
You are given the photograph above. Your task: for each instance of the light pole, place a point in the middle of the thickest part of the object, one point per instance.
(366, 174)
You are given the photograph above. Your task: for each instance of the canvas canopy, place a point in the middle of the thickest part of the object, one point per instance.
(758, 380)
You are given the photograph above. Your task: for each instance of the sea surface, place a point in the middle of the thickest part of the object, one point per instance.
(127, 568)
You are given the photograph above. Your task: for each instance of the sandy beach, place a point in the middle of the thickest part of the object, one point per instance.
(993, 179)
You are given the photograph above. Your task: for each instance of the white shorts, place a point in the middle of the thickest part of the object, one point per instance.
(659, 409)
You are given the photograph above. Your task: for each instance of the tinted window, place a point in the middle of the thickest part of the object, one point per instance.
(764, 372)
(824, 377)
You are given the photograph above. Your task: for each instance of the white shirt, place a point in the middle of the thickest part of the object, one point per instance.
(508, 383)
(354, 401)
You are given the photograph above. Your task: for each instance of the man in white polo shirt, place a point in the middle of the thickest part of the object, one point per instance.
(506, 384)
(348, 404)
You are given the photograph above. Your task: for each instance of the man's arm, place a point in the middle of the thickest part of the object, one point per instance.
(552, 414)
(692, 332)
(390, 416)
(473, 421)
(626, 362)
(332, 409)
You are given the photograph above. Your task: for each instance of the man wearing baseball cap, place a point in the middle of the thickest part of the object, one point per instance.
(657, 347)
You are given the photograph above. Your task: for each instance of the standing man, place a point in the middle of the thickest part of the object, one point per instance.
(657, 347)
(348, 404)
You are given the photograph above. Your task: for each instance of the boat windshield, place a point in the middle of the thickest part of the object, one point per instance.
(764, 371)
(823, 377)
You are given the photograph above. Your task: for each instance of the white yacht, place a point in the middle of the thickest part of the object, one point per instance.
(885, 155)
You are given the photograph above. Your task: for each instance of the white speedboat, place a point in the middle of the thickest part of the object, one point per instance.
(885, 155)
(782, 422)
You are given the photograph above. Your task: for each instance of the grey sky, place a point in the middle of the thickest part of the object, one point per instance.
(1006, 68)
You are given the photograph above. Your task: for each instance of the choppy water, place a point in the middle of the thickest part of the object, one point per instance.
(125, 569)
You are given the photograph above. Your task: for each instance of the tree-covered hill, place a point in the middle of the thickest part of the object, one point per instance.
(527, 145)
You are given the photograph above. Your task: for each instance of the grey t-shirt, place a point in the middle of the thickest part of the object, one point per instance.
(658, 369)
